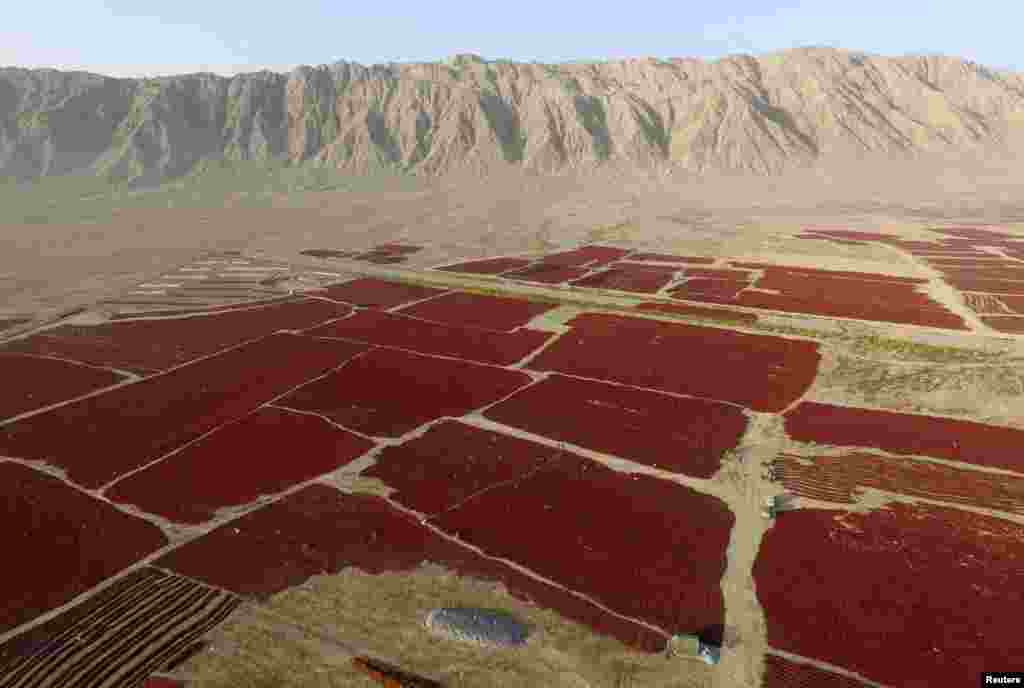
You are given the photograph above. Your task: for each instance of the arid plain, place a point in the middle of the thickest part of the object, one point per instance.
(255, 438)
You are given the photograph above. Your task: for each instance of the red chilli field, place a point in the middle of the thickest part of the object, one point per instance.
(904, 433)
(395, 330)
(648, 563)
(676, 434)
(362, 395)
(102, 437)
(766, 373)
(32, 382)
(904, 595)
(145, 346)
(262, 454)
(318, 529)
(370, 292)
(477, 310)
(74, 542)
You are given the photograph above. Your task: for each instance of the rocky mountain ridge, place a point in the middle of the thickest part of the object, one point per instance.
(760, 115)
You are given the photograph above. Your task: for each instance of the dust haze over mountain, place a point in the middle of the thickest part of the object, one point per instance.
(805, 108)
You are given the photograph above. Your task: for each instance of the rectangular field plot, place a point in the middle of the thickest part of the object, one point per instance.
(102, 437)
(878, 309)
(782, 673)
(31, 382)
(264, 453)
(835, 274)
(765, 373)
(146, 622)
(640, 279)
(387, 393)
(719, 273)
(370, 292)
(1008, 324)
(709, 289)
(392, 329)
(670, 258)
(148, 345)
(453, 461)
(478, 310)
(73, 541)
(488, 266)
(839, 478)
(589, 256)
(319, 530)
(644, 547)
(905, 595)
(873, 297)
(698, 311)
(545, 273)
(682, 435)
(903, 433)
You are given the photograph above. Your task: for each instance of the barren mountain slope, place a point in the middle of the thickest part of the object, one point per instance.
(761, 114)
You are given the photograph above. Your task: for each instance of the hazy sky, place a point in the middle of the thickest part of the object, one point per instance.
(135, 38)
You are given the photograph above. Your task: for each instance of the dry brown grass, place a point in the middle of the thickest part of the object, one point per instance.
(384, 615)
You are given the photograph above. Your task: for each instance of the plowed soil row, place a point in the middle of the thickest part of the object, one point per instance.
(146, 622)
(782, 673)
(903, 595)
(986, 304)
(904, 433)
(766, 373)
(837, 478)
